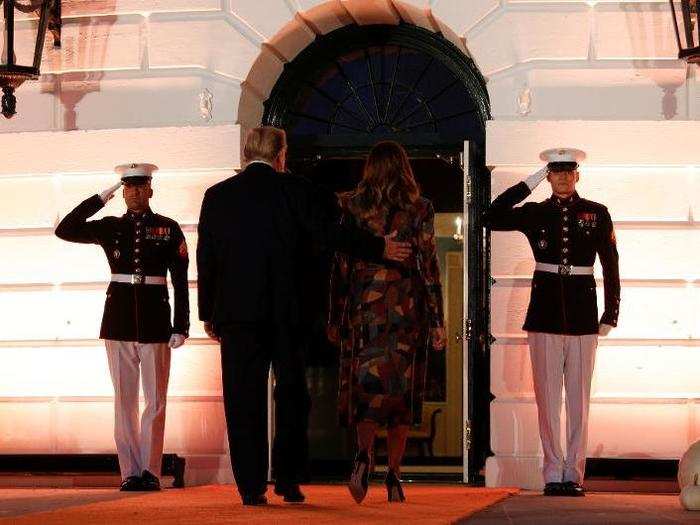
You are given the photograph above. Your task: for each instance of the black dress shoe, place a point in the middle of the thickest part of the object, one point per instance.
(149, 481)
(131, 484)
(254, 500)
(573, 489)
(292, 493)
(554, 489)
(359, 479)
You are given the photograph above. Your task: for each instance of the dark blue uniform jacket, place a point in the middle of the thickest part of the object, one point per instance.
(563, 232)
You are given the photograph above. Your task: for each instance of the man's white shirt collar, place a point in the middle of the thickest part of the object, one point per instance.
(257, 161)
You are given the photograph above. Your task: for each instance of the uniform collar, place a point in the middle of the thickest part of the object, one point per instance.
(138, 216)
(556, 201)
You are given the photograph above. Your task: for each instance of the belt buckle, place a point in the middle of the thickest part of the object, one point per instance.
(136, 279)
(565, 269)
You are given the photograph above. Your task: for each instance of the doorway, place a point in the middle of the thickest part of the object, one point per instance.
(435, 448)
(345, 92)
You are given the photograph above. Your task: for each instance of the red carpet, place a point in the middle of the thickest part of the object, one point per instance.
(326, 504)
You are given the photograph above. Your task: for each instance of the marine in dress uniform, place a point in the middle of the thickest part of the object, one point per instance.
(565, 232)
(141, 247)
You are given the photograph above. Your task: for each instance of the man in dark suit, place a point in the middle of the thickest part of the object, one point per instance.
(253, 233)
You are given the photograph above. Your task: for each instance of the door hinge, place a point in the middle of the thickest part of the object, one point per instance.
(467, 436)
(467, 189)
(465, 331)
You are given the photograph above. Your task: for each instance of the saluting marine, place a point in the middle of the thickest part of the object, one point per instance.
(565, 233)
(141, 247)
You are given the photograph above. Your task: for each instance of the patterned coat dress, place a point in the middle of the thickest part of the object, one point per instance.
(383, 315)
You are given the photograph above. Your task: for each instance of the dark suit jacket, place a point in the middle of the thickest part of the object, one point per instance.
(254, 230)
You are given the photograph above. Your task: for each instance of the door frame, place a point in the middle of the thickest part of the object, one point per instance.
(475, 328)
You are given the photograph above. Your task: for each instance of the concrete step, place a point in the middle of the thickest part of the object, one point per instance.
(66, 480)
(636, 486)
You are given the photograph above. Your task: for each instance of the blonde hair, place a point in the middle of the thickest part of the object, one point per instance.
(264, 143)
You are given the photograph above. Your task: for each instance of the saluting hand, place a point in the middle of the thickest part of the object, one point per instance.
(396, 250)
(109, 192)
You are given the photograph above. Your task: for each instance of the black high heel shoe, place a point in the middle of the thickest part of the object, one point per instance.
(393, 488)
(359, 479)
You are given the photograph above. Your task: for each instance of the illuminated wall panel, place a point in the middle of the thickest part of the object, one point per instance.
(645, 386)
(639, 262)
(29, 315)
(515, 421)
(25, 259)
(622, 188)
(26, 256)
(196, 426)
(646, 312)
(84, 425)
(639, 430)
(35, 209)
(75, 371)
(195, 370)
(623, 370)
(67, 313)
(64, 371)
(179, 195)
(667, 435)
(28, 425)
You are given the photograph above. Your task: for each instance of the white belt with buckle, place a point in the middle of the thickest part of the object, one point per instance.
(564, 269)
(129, 278)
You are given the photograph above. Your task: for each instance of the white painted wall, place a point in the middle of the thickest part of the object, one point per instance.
(139, 69)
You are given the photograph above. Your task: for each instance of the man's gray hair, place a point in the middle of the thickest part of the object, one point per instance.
(264, 143)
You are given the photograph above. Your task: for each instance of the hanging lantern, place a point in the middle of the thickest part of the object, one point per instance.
(14, 69)
(685, 21)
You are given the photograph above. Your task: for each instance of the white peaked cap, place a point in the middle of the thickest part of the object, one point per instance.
(563, 155)
(128, 171)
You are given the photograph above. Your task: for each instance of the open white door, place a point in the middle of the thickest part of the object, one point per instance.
(466, 323)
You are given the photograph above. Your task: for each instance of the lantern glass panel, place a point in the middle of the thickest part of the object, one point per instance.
(22, 26)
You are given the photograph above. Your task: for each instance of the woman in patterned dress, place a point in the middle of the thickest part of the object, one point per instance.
(386, 316)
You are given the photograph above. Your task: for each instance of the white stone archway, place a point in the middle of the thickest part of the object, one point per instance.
(301, 31)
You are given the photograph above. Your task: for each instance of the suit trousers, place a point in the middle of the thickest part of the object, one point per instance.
(139, 447)
(247, 351)
(570, 359)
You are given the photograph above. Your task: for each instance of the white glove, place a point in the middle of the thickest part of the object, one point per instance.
(604, 329)
(109, 193)
(176, 340)
(533, 180)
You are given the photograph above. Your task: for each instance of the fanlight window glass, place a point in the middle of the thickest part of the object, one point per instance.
(384, 91)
